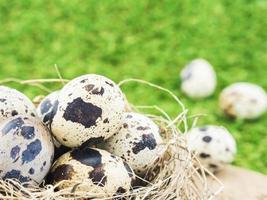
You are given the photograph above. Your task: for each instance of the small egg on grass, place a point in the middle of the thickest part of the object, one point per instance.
(138, 142)
(88, 110)
(198, 79)
(13, 102)
(243, 100)
(214, 145)
(92, 170)
(26, 148)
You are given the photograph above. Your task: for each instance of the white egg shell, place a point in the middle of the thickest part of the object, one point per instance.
(98, 171)
(214, 145)
(45, 108)
(89, 110)
(13, 102)
(138, 142)
(198, 79)
(243, 100)
(26, 149)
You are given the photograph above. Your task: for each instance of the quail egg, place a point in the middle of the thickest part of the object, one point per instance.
(92, 170)
(243, 100)
(13, 103)
(89, 109)
(138, 142)
(26, 149)
(45, 108)
(214, 145)
(44, 111)
(198, 79)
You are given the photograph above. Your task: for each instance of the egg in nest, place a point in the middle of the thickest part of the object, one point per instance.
(45, 108)
(26, 149)
(89, 109)
(45, 112)
(138, 142)
(13, 102)
(92, 170)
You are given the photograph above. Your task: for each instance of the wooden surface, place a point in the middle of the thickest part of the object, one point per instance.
(242, 184)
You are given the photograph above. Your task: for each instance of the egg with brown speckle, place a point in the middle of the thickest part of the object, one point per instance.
(13, 103)
(243, 100)
(89, 110)
(92, 170)
(214, 145)
(138, 142)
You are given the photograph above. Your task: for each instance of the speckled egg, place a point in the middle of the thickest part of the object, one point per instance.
(138, 142)
(13, 103)
(97, 170)
(26, 149)
(214, 145)
(45, 108)
(89, 109)
(45, 112)
(243, 100)
(198, 79)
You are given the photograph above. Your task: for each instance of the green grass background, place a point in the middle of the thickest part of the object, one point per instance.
(150, 40)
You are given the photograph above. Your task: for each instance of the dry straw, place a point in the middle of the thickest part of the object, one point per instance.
(177, 175)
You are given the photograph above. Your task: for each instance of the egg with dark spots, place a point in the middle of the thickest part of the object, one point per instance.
(89, 110)
(13, 103)
(214, 145)
(243, 100)
(138, 142)
(45, 112)
(25, 145)
(198, 79)
(92, 170)
(45, 108)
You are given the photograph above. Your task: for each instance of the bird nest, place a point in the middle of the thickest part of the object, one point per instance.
(177, 175)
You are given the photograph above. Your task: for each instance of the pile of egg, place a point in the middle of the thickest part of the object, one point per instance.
(85, 133)
(80, 134)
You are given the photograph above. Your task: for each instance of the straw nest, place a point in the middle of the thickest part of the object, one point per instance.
(177, 175)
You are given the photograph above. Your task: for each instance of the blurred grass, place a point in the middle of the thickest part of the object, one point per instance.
(150, 40)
